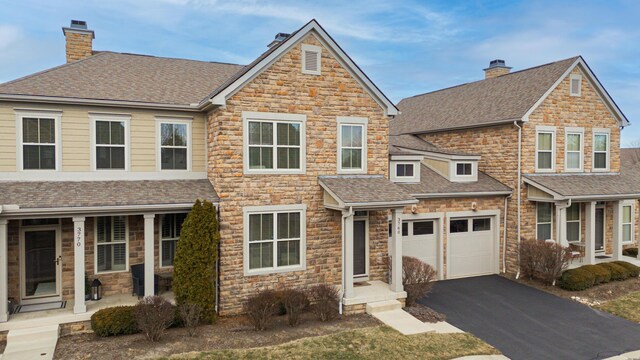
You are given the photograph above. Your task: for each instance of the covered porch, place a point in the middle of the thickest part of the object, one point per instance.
(365, 201)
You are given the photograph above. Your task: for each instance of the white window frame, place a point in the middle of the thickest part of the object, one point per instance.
(275, 209)
(631, 204)
(95, 246)
(161, 239)
(56, 115)
(352, 121)
(93, 117)
(599, 131)
(567, 221)
(455, 177)
(394, 171)
(575, 77)
(463, 163)
(318, 50)
(546, 130)
(274, 118)
(171, 120)
(544, 223)
(573, 131)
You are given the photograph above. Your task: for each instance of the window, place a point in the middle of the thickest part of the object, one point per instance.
(463, 169)
(39, 142)
(405, 229)
(600, 151)
(543, 220)
(575, 85)
(545, 150)
(352, 145)
(110, 144)
(311, 56)
(275, 143)
(404, 170)
(174, 145)
(481, 224)
(422, 227)
(458, 226)
(627, 223)
(573, 223)
(111, 243)
(275, 239)
(573, 150)
(170, 226)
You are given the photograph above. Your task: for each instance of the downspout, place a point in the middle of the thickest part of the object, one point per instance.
(518, 189)
(217, 287)
(344, 216)
(504, 234)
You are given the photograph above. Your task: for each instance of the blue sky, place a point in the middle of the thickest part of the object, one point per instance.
(406, 47)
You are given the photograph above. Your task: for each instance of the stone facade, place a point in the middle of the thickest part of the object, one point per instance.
(79, 45)
(283, 88)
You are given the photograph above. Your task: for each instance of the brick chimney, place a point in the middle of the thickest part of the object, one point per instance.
(79, 40)
(496, 68)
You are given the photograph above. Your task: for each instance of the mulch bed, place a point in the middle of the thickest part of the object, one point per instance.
(425, 314)
(227, 333)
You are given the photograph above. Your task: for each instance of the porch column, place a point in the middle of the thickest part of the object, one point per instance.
(149, 252)
(590, 233)
(561, 223)
(348, 256)
(4, 270)
(78, 265)
(617, 230)
(396, 251)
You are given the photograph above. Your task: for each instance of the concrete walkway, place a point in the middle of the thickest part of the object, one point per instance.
(390, 312)
(31, 344)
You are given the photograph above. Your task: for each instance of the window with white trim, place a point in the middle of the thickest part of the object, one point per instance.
(573, 150)
(545, 150)
(170, 226)
(544, 216)
(627, 223)
(601, 151)
(311, 57)
(464, 169)
(404, 170)
(275, 239)
(575, 88)
(110, 142)
(573, 222)
(112, 250)
(174, 145)
(352, 145)
(39, 142)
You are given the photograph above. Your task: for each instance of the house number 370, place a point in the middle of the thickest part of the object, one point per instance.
(79, 237)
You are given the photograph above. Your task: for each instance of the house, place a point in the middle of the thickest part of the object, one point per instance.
(552, 134)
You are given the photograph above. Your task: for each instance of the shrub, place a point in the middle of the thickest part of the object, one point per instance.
(154, 314)
(417, 278)
(294, 302)
(633, 270)
(530, 258)
(601, 273)
(261, 307)
(577, 279)
(633, 251)
(190, 317)
(194, 268)
(543, 260)
(617, 272)
(114, 321)
(324, 300)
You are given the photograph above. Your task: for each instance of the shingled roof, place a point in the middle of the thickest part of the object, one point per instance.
(126, 77)
(586, 186)
(501, 99)
(365, 190)
(433, 184)
(399, 143)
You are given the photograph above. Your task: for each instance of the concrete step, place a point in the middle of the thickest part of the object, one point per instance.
(402, 321)
(380, 306)
(32, 343)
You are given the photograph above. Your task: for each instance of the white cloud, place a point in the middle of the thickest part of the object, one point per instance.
(8, 35)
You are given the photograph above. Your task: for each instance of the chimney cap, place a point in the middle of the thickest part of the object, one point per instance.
(78, 26)
(280, 37)
(497, 63)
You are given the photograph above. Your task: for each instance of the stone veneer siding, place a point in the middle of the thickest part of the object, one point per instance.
(283, 88)
(78, 46)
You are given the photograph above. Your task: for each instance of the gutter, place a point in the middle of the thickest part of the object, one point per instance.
(16, 210)
(344, 216)
(461, 194)
(463, 127)
(98, 102)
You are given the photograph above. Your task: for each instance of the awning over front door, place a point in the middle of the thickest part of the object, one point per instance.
(363, 192)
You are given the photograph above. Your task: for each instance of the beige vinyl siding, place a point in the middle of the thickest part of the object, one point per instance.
(143, 141)
(198, 159)
(440, 166)
(75, 140)
(537, 193)
(7, 139)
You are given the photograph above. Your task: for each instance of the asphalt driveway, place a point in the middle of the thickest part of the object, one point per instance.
(526, 323)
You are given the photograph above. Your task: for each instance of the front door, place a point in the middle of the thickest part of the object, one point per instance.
(40, 258)
(360, 248)
(599, 229)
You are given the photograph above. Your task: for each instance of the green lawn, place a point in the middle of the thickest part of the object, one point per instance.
(369, 343)
(625, 306)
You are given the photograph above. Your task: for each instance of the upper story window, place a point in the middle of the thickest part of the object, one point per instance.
(544, 216)
(545, 148)
(112, 250)
(170, 226)
(39, 141)
(110, 142)
(174, 140)
(274, 143)
(575, 88)
(464, 169)
(627, 222)
(311, 56)
(573, 149)
(352, 145)
(601, 145)
(404, 170)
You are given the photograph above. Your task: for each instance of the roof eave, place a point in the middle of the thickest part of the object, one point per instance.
(461, 194)
(98, 102)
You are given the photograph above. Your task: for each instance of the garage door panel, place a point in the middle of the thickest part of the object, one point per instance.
(471, 253)
(423, 249)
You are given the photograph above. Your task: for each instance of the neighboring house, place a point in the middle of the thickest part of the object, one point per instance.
(551, 133)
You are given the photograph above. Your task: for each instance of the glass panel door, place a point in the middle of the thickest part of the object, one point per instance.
(599, 229)
(40, 263)
(359, 248)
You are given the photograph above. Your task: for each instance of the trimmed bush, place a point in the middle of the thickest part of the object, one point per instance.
(577, 279)
(617, 272)
(194, 268)
(324, 300)
(294, 302)
(261, 307)
(417, 278)
(542, 260)
(189, 315)
(633, 270)
(602, 274)
(114, 321)
(633, 251)
(530, 258)
(154, 314)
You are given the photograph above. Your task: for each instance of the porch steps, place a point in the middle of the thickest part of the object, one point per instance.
(31, 343)
(391, 314)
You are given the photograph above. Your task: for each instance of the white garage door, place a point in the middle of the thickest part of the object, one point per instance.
(471, 244)
(419, 240)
